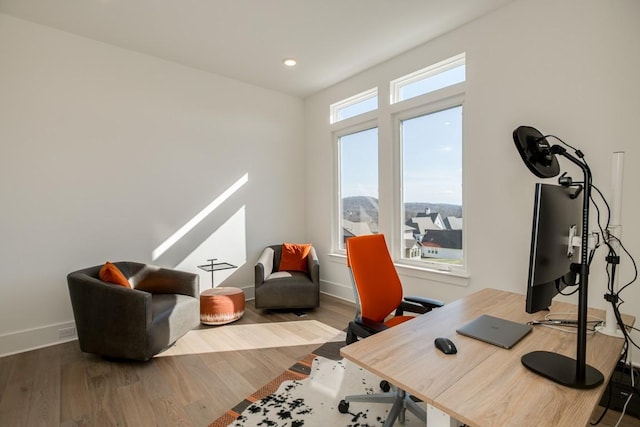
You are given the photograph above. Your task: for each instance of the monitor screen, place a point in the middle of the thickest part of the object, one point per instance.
(557, 219)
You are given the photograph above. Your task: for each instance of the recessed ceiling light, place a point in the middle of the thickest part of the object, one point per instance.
(289, 62)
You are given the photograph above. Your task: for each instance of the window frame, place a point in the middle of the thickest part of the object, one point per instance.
(366, 121)
(335, 108)
(396, 85)
(386, 118)
(429, 103)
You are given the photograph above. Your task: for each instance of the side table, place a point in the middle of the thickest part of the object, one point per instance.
(219, 306)
(215, 266)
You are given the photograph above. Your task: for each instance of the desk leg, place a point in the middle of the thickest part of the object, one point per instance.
(437, 418)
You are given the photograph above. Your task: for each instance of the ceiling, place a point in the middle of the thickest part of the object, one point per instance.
(248, 39)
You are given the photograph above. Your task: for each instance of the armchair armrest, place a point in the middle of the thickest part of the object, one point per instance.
(264, 266)
(158, 280)
(313, 266)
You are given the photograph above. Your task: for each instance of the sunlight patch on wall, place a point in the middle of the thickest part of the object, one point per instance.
(227, 244)
(198, 218)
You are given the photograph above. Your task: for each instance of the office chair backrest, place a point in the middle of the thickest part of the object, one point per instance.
(378, 286)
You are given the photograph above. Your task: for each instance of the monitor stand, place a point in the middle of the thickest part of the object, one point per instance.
(562, 369)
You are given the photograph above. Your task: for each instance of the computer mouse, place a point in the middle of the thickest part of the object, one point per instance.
(445, 345)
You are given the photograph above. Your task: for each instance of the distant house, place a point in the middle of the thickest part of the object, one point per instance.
(427, 217)
(453, 223)
(424, 223)
(412, 248)
(445, 244)
(352, 229)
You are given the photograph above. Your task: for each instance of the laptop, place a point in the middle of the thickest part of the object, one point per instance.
(496, 331)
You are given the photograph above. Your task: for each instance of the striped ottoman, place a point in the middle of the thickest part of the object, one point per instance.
(219, 306)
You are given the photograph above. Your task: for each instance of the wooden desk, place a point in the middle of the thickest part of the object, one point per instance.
(484, 385)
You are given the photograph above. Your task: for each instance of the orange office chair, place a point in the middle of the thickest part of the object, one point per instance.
(378, 293)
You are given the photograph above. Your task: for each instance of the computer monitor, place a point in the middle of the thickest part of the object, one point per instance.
(557, 219)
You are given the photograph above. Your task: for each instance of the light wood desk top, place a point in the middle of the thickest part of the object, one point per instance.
(485, 385)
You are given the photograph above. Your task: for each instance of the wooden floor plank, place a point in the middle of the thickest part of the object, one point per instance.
(14, 407)
(44, 408)
(191, 384)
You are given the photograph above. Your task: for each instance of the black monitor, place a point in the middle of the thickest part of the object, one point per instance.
(557, 219)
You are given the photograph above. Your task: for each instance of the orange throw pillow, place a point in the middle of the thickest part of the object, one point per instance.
(294, 257)
(112, 274)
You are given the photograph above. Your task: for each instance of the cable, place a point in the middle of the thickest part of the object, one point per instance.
(632, 375)
(578, 152)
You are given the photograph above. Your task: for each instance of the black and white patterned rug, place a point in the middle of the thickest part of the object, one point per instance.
(313, 400)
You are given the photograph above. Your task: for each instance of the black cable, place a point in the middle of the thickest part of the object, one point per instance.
(633, 262)
(578, 152)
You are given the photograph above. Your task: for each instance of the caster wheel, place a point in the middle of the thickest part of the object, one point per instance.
(343, 407)
(385, 386)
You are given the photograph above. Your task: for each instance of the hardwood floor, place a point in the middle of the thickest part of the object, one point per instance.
(206, 373)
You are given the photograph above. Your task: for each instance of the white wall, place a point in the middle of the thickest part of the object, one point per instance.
(568, 68)
(106, 153)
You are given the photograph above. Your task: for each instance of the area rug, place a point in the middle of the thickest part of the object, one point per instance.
(308, 394)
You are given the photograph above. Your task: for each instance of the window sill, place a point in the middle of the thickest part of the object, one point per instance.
(458, 278)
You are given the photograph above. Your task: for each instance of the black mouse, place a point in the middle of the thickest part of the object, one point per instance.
(445, 345)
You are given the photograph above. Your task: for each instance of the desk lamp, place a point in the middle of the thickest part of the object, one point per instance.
(541, 160)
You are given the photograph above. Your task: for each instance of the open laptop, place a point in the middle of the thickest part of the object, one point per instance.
(496, 331)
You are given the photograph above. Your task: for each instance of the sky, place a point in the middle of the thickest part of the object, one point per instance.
(431, 149)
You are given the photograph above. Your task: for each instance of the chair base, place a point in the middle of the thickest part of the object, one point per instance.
(400, 399)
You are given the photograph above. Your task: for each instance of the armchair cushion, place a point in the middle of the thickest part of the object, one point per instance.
(112, 274)
(294, 257)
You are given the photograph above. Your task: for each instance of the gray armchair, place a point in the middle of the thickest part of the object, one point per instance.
(118, 322)
(286, 289)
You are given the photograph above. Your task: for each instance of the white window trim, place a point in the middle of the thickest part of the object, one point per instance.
(440, 67)
(334, 109)
(412, 108)
(338, 133)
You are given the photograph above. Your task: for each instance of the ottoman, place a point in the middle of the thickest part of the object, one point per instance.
(222, 305)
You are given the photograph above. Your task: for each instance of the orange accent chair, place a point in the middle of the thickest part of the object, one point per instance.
(379, 306)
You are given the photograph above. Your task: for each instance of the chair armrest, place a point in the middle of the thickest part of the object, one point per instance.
(425, 302)
(370, 325)
(419, 305)
(313, 266)
(263, 267)
(158, 280)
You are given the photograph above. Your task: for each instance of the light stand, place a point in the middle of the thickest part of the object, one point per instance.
(540, 159)
(614, 231)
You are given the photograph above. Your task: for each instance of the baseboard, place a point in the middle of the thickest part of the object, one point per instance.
(337, 290)
(32, 339)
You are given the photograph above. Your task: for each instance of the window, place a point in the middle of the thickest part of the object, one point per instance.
(431, 147)
(358, 182)
(355, 105)
(422, 131)
(438, 76)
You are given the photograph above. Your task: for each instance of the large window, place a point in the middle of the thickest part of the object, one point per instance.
(431, 147)
(421, 131)
(358, 154)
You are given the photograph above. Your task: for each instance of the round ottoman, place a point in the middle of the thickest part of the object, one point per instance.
(221, 305)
